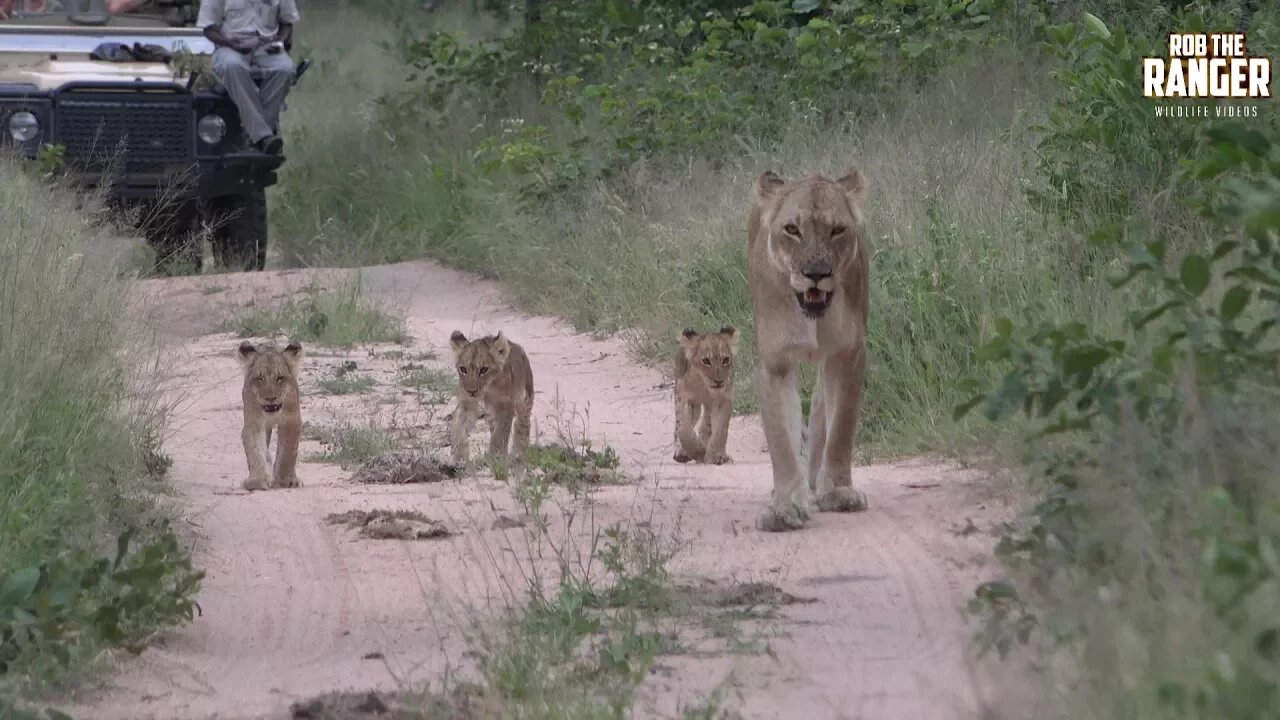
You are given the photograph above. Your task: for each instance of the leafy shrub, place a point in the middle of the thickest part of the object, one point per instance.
(1162, 415)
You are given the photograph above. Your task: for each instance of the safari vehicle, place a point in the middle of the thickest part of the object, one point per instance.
(120, 103)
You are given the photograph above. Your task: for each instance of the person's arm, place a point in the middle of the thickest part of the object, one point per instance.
(210, 20)
(289, 17)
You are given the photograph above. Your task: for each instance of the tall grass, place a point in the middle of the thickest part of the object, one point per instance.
(81, 419)
(661, 246)
(81, 475)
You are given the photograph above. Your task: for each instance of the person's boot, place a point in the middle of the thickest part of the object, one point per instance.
(270, 145)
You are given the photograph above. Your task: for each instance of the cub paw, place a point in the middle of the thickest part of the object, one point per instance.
(718, 459)
(774, 519)
(254, 483)
(843, 500)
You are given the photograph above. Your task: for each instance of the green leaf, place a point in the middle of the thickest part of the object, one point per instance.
(803, 7)
(1152, 315)
(1234, 302)
(963, 408)
(1096, 26)
(1195, 274)
(18, 586)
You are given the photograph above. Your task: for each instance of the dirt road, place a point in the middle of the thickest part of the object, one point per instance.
(294, 607)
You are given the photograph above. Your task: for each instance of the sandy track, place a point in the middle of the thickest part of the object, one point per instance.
(292, 605)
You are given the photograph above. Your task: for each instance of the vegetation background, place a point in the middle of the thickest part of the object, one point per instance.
(1060, 278)
(1016, 172)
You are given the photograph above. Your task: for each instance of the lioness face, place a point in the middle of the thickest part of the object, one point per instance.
(270, 375)
(814, 227)
(711, 355)
(479, 361)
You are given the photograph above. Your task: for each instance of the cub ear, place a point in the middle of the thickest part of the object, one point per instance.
(731, 333)
(688, 338)
(766, 185)
(245, 352)
(457, 341)
(293, 354)
(500, 345)
(854, 184)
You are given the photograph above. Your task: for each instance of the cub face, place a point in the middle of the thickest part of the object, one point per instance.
(479, 361)
(813, 228)
(711, 355)
(270, 375)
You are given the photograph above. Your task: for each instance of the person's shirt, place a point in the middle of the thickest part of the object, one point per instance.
(247, 18)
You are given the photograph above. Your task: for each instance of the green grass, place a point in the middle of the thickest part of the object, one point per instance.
(340, 318)
(430, 380)
(80, 458)
(350, 443)
(344, 380)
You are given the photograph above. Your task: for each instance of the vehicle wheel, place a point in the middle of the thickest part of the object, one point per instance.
(239, 225)
(173, 231)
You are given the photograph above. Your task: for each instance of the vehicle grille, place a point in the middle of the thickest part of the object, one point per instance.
(136, 132)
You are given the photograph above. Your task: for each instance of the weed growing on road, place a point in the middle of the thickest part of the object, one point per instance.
(340, 318)
(351, 443)
(344, 380)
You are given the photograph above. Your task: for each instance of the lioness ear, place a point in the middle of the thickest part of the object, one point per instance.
(293, 354)
(245, 352)
(766, 184)
(501, 346)
(854, 183)
(457, 341)
(688, 338)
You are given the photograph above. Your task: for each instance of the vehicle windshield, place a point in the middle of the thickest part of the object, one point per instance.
(96, 13)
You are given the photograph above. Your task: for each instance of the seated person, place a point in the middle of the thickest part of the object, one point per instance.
(257, 35)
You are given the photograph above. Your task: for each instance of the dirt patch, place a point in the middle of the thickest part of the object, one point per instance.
(403, 467)
(391, 524)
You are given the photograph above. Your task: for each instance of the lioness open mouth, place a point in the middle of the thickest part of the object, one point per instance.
(814, 302)
(271, 408)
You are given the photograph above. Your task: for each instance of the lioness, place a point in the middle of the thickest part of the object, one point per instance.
(270, 396)
(704, 386)
(808, 270)
(495, 372)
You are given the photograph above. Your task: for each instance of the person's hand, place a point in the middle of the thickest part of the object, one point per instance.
(245, 46)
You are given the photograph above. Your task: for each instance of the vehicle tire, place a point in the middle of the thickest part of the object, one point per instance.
(173, 232)
(239, 225)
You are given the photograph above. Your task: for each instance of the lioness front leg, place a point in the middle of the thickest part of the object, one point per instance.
(688, 446)
(716, 418)
(817, 438)
(285, 472)
(780, 415)
(255, 441)
(842, 384)
(464, 417)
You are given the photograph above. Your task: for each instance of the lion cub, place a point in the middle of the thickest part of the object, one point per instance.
(270, 398)
(493, 372)
(704, 386)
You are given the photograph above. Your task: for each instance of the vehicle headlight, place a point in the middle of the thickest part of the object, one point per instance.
(211, 129)
(23, 126)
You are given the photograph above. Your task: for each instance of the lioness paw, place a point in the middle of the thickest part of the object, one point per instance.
(718, 459)
(842, 499)
(775, 519)
(289, 482)
(681, 457)
(254, 483)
